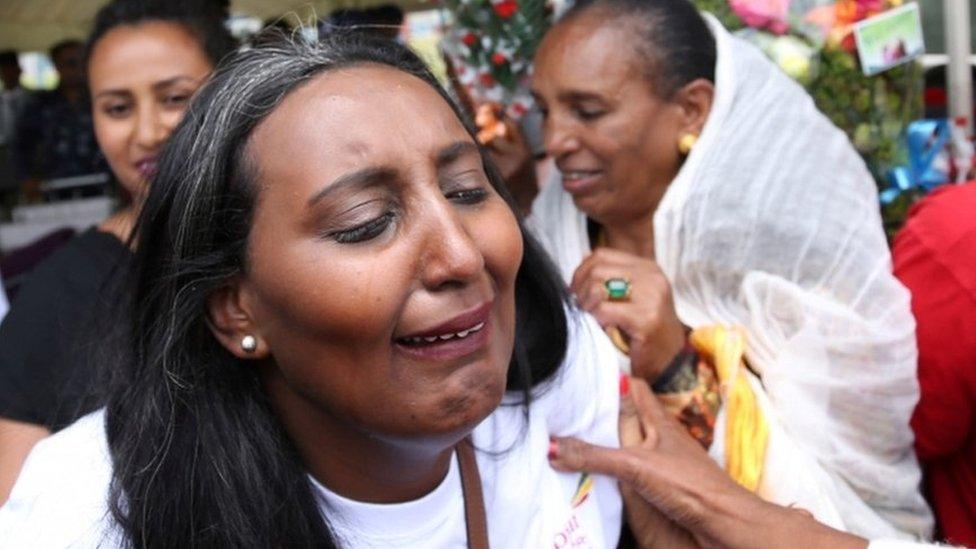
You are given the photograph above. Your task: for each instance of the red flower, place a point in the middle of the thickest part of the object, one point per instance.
(506, 8)
(486, 80)
(518, 109)
(469, 39)
(498, 58)
(849, 43)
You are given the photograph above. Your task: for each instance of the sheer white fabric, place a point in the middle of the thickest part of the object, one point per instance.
(773, 224)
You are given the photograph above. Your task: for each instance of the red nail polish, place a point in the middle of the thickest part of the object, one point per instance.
(553, 448)
(624, 385)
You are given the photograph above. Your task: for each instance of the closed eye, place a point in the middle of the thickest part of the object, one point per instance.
(365, 231)
(588, 114)
(467, 197)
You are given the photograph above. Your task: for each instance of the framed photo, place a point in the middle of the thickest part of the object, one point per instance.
(889, 39)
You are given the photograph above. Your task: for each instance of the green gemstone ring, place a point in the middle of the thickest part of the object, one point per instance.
(618, 289)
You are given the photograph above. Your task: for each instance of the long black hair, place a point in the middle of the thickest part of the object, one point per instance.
(672, 39)
(199, 458)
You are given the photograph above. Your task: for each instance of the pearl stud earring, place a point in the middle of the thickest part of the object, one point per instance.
(249, 343)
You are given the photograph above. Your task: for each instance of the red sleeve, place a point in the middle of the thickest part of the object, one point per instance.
(933, 257)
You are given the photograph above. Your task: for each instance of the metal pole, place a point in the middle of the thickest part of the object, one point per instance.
(960, 77)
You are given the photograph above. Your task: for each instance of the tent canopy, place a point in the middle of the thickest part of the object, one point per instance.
(32, 25)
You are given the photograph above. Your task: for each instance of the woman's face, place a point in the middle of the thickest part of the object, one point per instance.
(382, 263)
(141, 79)
(613, 140)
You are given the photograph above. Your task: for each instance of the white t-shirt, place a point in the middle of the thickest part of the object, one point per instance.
(60, 498)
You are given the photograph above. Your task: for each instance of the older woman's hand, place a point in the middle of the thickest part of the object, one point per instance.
(675, 495)
(647, 318)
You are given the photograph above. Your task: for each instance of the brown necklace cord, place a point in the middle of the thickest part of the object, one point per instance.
(474, 502)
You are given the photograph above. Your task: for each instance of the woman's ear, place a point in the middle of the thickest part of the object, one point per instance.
(231, 319)
(695, 100)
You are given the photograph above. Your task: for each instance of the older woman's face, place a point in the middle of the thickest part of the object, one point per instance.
(382, 263)
(613, 140)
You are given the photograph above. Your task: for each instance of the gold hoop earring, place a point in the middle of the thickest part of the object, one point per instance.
(686, 143)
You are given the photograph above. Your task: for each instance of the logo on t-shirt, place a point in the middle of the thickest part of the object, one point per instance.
(573, 534)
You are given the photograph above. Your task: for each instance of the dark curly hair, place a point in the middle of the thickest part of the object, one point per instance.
(672, 40)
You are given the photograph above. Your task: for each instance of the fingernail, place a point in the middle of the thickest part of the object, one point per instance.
(553, 448)
(624, 385)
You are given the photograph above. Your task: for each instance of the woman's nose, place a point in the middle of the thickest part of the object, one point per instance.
(559, 136)
(451, 257)
(151, 129)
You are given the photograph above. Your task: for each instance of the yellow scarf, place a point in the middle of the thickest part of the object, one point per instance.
(746, 430)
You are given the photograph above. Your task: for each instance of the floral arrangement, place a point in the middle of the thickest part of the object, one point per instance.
(490, 45)
(813, 42)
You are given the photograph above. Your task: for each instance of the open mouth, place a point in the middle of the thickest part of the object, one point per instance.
(580, 181)
(573, 175)
(146, 168)
(460, 336)
(427, 340)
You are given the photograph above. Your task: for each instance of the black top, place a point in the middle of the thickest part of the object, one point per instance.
(50, 337)
(56, 138)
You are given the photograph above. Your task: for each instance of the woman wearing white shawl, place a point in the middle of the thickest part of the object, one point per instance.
(770, 223)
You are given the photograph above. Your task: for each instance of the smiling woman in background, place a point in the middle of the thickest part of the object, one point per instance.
(698, 187)
(145, 61)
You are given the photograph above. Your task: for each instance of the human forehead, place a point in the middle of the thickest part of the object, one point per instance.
(152, 51)
(589, 52)
(350, 117)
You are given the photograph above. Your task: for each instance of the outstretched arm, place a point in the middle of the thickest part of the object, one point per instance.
(675, 493)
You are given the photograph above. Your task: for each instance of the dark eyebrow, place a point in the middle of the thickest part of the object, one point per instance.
(373, 175)
(574, 96)
(454, 151)
(163, 84)
(365, 177)
(176, 79)
(104, 93)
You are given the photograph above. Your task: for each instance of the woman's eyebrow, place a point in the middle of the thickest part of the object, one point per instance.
(162, 84)
(112, 93)
(578, 96)
(454, 151)
(365, 177)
